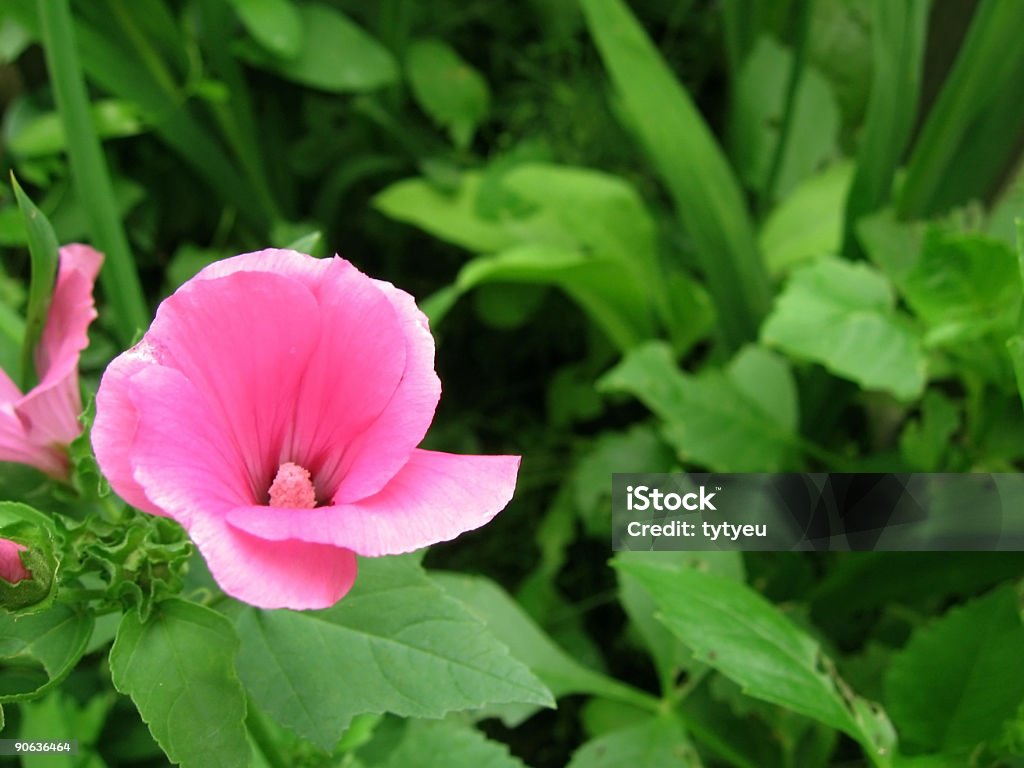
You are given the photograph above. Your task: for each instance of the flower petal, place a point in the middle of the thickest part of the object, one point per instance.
(384, 448)
(50, 410)
(273, 574)
(12, 570)
(298, 266)
(434, 497)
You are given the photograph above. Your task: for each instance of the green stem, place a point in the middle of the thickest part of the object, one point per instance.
(92, 180)
(803, 22)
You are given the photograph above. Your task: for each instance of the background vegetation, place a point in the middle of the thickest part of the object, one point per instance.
(745, 235)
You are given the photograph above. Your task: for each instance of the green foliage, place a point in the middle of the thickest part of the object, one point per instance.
(39, 650)
(447, 88)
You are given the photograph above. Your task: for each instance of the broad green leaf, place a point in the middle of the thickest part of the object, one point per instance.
(808, 223)
(179, 669)
(742, 419)
(844, 316)
(925, 441)
(659, 743)
(684, 152)
(43, 248)
(528, 643)
(669, 654)
(735, 630)
(448, 89)
(336, 55)
(892, 246)
(38, 650)
(451, 216)
(964, 287)
(427, 744)
(898, 46)
(759, 105)
(274, 24)
(43, 134)
(959, 678)
(395, 644)
(58, 716)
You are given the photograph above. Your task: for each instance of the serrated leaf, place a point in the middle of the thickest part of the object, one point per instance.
(742, 419)
(448, 89)
(843, 316)
(959, 678)
(454, 745)
(659, 743)
(336, 55)
(179, 669)
(735, 630)
(38, 650)
(395, 644)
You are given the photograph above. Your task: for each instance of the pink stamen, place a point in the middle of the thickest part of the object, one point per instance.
(292, 488)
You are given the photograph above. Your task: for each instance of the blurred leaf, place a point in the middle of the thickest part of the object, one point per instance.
(43, 249)
(179, 669)
(735, 630)
(43, 134)
(59, 716)
(925, 441)
(507, 306)
(658, 743)
(39, 650)
(448, 89)
(336, 55)
(742, 419)
(14, 39)
(892, 246)
(977, 647)
(844, 316)
(274, 24)
(187, 261)
(428, 744)
(707, 197)
(809, 222)
(396, 644)
(973, 127)
(898, 48)
(757, 117)
(839, 46)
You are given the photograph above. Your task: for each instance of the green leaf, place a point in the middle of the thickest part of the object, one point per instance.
(274, 24)
(43, 134)
(658, 743)
(337, 55)
(925, 441)
(707, 197)
(808, 224)
(959, 678)
(179, 669)
(448, 89)
(735, 630)
(964, 287)
(426, 744)
(395, 644)
(43, 250)
(529, 644)
(755, 126)
(59, 716)
(38, 650)
(843, 316)
(742, 419)
(898, 46)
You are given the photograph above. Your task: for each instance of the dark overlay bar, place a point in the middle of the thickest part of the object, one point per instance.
(818, 512)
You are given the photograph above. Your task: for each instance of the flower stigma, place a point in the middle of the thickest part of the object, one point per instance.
(292, 487)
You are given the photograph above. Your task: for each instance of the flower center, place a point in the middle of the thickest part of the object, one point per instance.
(292, 488)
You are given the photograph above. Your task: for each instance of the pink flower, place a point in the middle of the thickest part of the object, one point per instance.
(273, 409)
(12, 570)
(36, 428)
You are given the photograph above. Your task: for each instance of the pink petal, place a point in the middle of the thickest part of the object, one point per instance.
(186, 464)
(12, 570)
(245, 342)
(434, 497)
(15, 446)
(50, 410)
(384, 448)
(273, 574)
(113, 430)
(299, 266)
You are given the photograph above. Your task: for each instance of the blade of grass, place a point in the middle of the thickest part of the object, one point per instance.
(42, 250)
(989, 69)
(119, 277)
(706, 194)
(898, 46)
